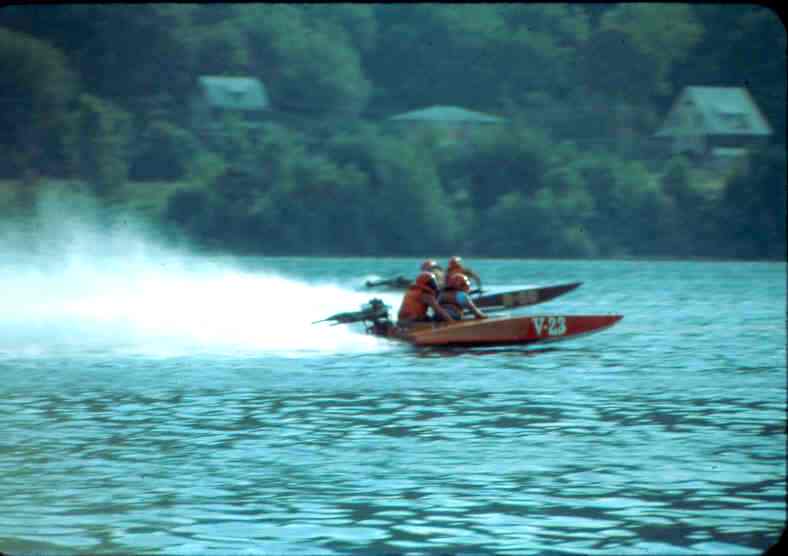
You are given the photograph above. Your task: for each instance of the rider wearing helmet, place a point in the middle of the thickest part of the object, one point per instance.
(432, 266)
(455, 299)
(420, 296)
(456, 267)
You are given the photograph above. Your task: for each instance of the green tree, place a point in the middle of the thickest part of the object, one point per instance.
(163, 152)
(357, 22)
(188, 216)
(36, 86)
(366, 193)
(681, 207)
(405, 206)
(515, 159)
(251, 197)
(324, 211)
(550, 220)
(753, 208)
(548, 36)
(627, 204)
(138, 49)
(473, 55)
(310, 67)
(627, 59)
(544, 225)
(662, 34)
(221, 49)
(132, 55)
(101, 147)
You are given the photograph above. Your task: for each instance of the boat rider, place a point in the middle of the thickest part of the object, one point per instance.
(456, 267)
(420, 296)
(455, 299)
(433, 267)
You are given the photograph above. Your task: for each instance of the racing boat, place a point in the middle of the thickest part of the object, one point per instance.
(499, 301)
(397, 283)
(489, 332)
(522, 298)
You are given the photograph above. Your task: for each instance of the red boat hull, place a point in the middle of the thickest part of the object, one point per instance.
(504, 331)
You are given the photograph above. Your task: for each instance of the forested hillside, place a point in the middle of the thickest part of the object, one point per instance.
(99, 97)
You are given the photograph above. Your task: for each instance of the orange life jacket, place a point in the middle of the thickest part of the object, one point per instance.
(413, 307)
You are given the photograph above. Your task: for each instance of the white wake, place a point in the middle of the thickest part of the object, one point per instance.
(77, 286)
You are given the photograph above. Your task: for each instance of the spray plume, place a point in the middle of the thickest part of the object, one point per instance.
(73, 281)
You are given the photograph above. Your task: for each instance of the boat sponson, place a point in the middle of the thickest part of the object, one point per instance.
(507, 330)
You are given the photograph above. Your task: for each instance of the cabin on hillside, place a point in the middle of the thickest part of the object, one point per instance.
(716, 125)
(448, 126)
(216, 98)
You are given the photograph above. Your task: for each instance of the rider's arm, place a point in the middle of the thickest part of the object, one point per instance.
(473, 276)
(466, 301)
(432, 301)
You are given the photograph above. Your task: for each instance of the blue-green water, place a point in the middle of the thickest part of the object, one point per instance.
(157, 404)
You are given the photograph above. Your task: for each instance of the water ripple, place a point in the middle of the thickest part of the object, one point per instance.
(645, 440)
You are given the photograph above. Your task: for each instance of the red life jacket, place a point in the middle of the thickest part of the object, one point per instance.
(413, 307)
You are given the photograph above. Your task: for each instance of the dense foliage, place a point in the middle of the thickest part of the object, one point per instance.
(102, 94)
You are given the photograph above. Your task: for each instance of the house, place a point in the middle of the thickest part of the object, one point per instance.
(716, 124)
(218, 97)
(450, 125)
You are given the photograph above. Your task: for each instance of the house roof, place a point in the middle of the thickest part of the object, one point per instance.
(240, 93)
(722, 111)
(447, 114)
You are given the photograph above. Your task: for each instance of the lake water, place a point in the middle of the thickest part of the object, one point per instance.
(161, 404)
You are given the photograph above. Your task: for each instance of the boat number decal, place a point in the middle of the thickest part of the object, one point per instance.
(520, 298)
(556, 326)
